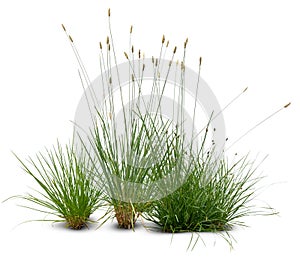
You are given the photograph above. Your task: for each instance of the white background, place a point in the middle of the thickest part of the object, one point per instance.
(243, 43)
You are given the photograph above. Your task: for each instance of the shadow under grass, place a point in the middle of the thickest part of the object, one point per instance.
(62, 226)
(114, 226)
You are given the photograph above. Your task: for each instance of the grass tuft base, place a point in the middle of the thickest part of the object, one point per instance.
(76, 222)
(125, 215)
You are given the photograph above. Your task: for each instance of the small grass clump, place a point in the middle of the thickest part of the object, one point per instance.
(67, 188)
(213, 199)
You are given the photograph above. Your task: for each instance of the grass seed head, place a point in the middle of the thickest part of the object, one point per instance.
(125, 54)
(64, 28)
(186, 42)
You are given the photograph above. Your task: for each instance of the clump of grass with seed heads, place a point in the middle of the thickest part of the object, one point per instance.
(131, 157)
(66, 187)
(212, 195)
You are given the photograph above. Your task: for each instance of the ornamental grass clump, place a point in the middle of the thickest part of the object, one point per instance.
(66, 187)
(125, 167)
(215, 197)
(193, 190)
(125, 163)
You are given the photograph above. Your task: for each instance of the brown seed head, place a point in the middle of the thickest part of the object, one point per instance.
(156, 62)
(132, 77)
(174, 51)
(126, 56)
(110, 81)
(100, 45)
(287, 105)
(132, 49)
(139, 53)
(245, 89)
(163, 39)
(131, 27)
(64, 28)
(143, 67)
(107, 40)
(200, 61)
(108, 47)
(167, 45)
(186, 42)
(70, 38)
(152, 59)
(108, 12)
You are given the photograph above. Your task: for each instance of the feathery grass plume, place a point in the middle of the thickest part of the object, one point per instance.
(66, 186)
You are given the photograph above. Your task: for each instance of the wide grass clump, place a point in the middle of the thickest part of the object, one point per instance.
(214, 198)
